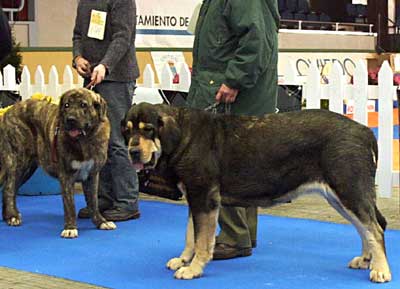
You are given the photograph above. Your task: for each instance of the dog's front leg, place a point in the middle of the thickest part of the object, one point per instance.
(187, 254)
(90, 189)
(70, 228)
(204, 213)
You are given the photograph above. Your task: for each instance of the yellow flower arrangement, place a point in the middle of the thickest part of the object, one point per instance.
(36, 96)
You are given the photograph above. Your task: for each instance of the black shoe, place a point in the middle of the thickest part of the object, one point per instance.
(225, 251)
(86, 213)
(253, 243)
(118, 214)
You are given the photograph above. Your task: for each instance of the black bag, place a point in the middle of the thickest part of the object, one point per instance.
(8, 98)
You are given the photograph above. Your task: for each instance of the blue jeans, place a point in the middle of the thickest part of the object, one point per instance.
(118, 186)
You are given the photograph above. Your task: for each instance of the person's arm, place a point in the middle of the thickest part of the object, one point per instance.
(5, 36)
(252, 56)
(123, 23)
(81, 65)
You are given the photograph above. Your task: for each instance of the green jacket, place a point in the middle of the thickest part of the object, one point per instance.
(236, 43)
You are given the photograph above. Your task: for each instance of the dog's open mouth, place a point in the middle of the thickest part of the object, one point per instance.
(76, 132)
(139, 166)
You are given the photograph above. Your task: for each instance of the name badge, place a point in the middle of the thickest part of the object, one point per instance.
(97, 24)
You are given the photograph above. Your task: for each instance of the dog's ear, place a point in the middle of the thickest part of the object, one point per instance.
(101, 106)
(169, 132)
(63, 99)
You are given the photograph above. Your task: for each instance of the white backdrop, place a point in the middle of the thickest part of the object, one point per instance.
(164, 23)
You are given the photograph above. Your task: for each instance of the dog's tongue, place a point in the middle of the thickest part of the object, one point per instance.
(74, 133)
(138, 166)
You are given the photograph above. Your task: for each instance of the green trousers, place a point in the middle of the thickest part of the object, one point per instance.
(238, 226)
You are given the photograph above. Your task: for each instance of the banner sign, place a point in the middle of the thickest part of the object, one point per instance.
(164, 24)
(302, 61)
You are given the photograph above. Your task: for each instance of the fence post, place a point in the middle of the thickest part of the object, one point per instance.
(39, 86)
(185, 77)
(148, 77)
(9, 78)
(53, 88)
(291, 77)
(385, 130)
(336, 88)
(313, 87)
(25, 88)
(68, 81)
(360, 94)
(166, 77)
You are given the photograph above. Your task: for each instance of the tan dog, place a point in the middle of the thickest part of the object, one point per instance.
(69, 141)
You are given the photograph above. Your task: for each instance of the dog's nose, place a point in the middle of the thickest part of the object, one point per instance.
(71, 120)
(135, 154)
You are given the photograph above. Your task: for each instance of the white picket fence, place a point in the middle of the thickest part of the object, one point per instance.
(358, 93)
(55, 88)
(337, 91)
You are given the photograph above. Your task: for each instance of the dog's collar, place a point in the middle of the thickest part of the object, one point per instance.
(54, 156)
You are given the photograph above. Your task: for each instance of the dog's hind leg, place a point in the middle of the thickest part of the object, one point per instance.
(204, 211)
(90, 189)
(188, 252)
(370, 225)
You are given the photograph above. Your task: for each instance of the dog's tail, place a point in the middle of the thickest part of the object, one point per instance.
(381, 219)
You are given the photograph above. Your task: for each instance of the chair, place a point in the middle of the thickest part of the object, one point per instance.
(325, 18)
(303, 6)
(351, 12)
(292, 5)
(313, 16)
(282, 6)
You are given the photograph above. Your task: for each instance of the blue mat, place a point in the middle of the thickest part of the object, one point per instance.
(292, 253)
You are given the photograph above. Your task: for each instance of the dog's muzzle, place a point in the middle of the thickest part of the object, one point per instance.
(73, 128)
(135, 155)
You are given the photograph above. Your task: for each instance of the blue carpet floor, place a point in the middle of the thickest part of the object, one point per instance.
(292, 253)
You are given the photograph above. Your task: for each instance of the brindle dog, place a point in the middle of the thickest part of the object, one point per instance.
(250, 161)
(69, 141)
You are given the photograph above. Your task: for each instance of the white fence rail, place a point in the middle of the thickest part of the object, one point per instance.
(337, 91)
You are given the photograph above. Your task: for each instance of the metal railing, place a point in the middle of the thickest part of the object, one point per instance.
(301, 24)
(15, 10)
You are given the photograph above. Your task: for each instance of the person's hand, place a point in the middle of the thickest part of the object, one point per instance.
(226, 94)
(82, 66)
(98, 74)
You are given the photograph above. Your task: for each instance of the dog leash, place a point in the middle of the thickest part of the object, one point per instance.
(213, 108)
(91, 85)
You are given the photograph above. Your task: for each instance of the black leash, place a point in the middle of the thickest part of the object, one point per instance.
(213, 108)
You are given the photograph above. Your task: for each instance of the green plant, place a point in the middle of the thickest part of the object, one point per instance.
(14, 58)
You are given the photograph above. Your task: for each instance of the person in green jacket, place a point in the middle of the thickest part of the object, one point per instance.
(235, 57)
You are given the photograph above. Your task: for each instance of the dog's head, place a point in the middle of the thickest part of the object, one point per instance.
(149, 130)
(81, 111)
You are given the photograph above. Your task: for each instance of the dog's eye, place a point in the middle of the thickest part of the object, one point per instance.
(66, 105)
(148, 128)
(83, 104)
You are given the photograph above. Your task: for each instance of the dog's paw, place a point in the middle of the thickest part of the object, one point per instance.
(359, 263)
(188, 273)
(69, 233)
(108, 226)
(380, 276)
(14, 221)
(175, 263)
